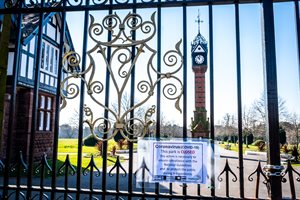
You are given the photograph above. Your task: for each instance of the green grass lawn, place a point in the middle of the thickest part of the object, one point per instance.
(235, 147)
(70, 146)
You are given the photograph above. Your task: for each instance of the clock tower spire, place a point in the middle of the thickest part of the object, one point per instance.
(199, 51)
(199, 21)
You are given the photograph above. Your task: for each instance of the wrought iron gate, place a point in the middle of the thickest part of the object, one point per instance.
(123, 44)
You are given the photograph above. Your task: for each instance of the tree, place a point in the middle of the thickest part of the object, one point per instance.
(229, 124)
(294, 120)
(252, 125)
(74, 120)
(282, 136)
(250, 138)
(66, 131)
(249, 121)
(4, 43)
(123, 107)
(259, 107)
(168, 128)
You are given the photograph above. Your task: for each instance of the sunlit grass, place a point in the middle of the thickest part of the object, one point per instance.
(86, 160)
(70, 147)
(235, 147)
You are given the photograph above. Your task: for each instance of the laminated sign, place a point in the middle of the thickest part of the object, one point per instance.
(175, 161)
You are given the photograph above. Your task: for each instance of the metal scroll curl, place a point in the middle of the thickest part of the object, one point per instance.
(122, 30)
(120, 65)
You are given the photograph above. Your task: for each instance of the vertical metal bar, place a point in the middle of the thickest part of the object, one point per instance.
(82, 93)
(57, 102)
(170, 189)
(158, 95)
(257, 186)
(198, 189)
(271, 96)
(107, 83)
(39, 105)
(67, 162)
(35, 100)
(91, 177)
(184, 72)
(12, 102)
(132, 97)
(42, 170)
(118, 177)
(298, 34)
(18, 182)
(211, 84)
(239, 98)
(184, 135)
(227, 182)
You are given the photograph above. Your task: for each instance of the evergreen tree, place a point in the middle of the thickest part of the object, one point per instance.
(282, 136)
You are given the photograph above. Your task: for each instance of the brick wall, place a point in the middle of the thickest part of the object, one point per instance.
(43, 144)
(199, 89)
(200, 134)
(22, 129)
(200, 103)
(5, 126)
(23, 118)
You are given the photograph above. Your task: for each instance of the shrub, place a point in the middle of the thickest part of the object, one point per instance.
(113, 151)
(295, 153)
(225, 138)
(99, 145)
(261, 145)
(250, 138)
(90, 141)
(233, 138)
(257, 142)
(285, 148)
(282, 136)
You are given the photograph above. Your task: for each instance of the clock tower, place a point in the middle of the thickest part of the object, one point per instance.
(200, 124)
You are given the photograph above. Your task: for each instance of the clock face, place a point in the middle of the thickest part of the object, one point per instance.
(199, 59)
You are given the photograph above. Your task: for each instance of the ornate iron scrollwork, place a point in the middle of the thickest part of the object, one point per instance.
(120, 65)
(11, 3)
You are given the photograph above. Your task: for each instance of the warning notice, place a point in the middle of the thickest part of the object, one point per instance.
(177, 161)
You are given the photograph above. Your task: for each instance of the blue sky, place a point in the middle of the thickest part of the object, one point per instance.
(224, 54)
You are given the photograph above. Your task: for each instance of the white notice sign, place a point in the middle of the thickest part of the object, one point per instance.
(178, 161)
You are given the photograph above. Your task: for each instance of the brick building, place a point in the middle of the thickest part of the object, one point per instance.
(25, 85)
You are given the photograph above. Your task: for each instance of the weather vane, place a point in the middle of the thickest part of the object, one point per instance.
(199, 21)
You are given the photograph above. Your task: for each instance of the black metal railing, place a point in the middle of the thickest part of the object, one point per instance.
(24, 179)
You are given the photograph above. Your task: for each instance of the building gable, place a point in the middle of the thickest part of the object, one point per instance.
(50, 51)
